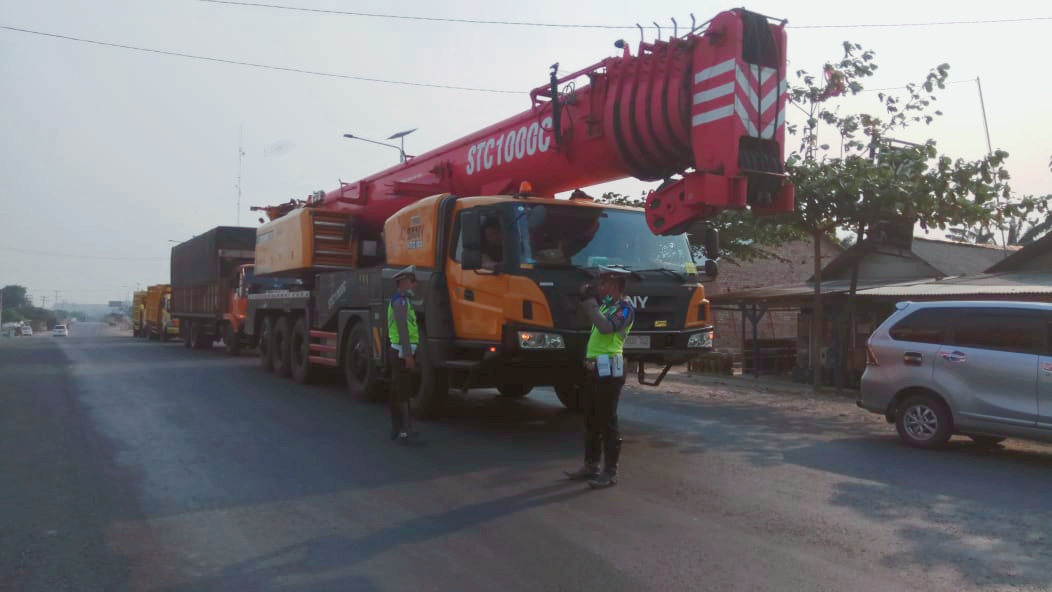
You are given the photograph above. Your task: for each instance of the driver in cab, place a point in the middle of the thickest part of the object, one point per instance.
(492, 243)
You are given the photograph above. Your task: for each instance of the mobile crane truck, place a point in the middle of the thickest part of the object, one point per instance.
(703, 113)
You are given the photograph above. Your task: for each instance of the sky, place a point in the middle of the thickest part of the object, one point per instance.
(110, 156)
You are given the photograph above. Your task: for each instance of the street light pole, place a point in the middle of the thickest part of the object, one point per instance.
(402, 158)
(401, 136)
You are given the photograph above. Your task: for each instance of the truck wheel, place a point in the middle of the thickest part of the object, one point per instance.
(184, 332)
(514, 391)
(232, 340)
(265, 359)
(299, 352)
(360, 372)
(434, 386)
(571, 396)
(279, 346)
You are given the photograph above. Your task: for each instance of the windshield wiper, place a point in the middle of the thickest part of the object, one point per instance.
(675, 274)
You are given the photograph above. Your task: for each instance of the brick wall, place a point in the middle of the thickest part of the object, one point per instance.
(793, 264)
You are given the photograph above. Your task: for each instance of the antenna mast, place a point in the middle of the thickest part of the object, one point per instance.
(240, 154)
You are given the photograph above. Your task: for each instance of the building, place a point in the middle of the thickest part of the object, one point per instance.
(791, 263)
(883, 273)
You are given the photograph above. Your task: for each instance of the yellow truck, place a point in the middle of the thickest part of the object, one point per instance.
(157, 319)
(138, 309)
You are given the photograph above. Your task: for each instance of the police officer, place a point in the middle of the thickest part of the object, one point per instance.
(404, 336)
(612, 316)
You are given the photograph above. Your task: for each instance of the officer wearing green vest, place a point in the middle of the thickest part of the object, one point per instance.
(404, 336)
(612, 316)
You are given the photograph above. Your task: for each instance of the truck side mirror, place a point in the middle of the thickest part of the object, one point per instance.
(471, 240)
(712, 244)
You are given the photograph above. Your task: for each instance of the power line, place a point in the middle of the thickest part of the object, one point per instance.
(253, 65)
(315, 73)
(92, 257)
(595, 26)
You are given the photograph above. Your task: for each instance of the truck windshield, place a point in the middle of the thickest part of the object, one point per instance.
(258, 285)
(590, 236)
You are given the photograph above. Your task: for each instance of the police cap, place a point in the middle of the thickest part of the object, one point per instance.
(405, 272)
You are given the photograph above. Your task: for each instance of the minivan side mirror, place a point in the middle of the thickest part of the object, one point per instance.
(471, 240)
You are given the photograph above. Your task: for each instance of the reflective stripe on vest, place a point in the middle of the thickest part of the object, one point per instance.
(607, 343)
(410, 318)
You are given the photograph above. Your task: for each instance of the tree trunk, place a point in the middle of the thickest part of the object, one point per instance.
(816, 317)
(852, 313)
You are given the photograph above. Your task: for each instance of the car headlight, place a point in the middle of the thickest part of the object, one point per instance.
(701, 339)
(540, 340)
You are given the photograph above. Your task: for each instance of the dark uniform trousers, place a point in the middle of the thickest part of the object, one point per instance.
(402, 383)
(602, 436)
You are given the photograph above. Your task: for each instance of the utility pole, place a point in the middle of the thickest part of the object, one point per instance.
(43, 300)
(240, 154)
(989, 152)
(56, 299)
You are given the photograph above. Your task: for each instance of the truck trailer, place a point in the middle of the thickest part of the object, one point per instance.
(210, 274)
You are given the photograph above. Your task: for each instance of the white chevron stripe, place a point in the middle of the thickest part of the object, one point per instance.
(713, 115)
(743, 115)
(768, 132)
(713, 71)
(772, 95)
(714, 93)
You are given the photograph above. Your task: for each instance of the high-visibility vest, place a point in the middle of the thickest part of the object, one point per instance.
(609, 343)
(410, 317)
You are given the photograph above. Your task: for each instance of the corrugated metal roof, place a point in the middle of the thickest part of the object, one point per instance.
(789, 291)
(990, 284)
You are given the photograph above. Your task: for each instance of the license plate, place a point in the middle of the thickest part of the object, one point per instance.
(637, 342)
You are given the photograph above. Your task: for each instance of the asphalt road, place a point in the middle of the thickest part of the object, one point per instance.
(132, 465)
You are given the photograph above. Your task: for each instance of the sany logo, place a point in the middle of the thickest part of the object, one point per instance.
(639, 302)
(514, 145)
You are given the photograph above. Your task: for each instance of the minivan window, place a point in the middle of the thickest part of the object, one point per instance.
(999, 331)
(923, 326)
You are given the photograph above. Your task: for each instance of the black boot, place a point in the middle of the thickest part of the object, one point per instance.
(606, 479)
(612, 453)
(587, 471)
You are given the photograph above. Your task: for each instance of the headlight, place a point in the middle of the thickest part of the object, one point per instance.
(538, 340)
(701, 339)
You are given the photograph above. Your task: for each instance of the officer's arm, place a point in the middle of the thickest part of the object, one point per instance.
(400, 307)
(617, 320)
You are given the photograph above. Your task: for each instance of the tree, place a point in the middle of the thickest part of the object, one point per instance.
(876, 176)
(743, 236)
(14, 296)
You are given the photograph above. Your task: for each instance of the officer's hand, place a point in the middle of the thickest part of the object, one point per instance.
(410, 362)
(588, 291)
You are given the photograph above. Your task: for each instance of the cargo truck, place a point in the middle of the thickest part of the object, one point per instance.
(211, 275)
(137, 311)
(157, 320)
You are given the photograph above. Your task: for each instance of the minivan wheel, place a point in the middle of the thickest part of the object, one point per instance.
(924, 421)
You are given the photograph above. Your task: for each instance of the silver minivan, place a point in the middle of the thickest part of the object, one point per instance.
(980, 369)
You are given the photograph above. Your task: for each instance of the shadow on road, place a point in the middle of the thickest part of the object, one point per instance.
(329, 553)
(984, 513)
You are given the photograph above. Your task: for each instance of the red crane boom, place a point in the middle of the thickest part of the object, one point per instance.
(705, 113)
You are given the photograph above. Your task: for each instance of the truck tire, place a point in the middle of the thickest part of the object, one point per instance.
(266, 361)
(279, 346)
(434, 386)
(361, 374)
(184, 332)
(514, 391)
(299, 352)
(571, 396)
(232, 340)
